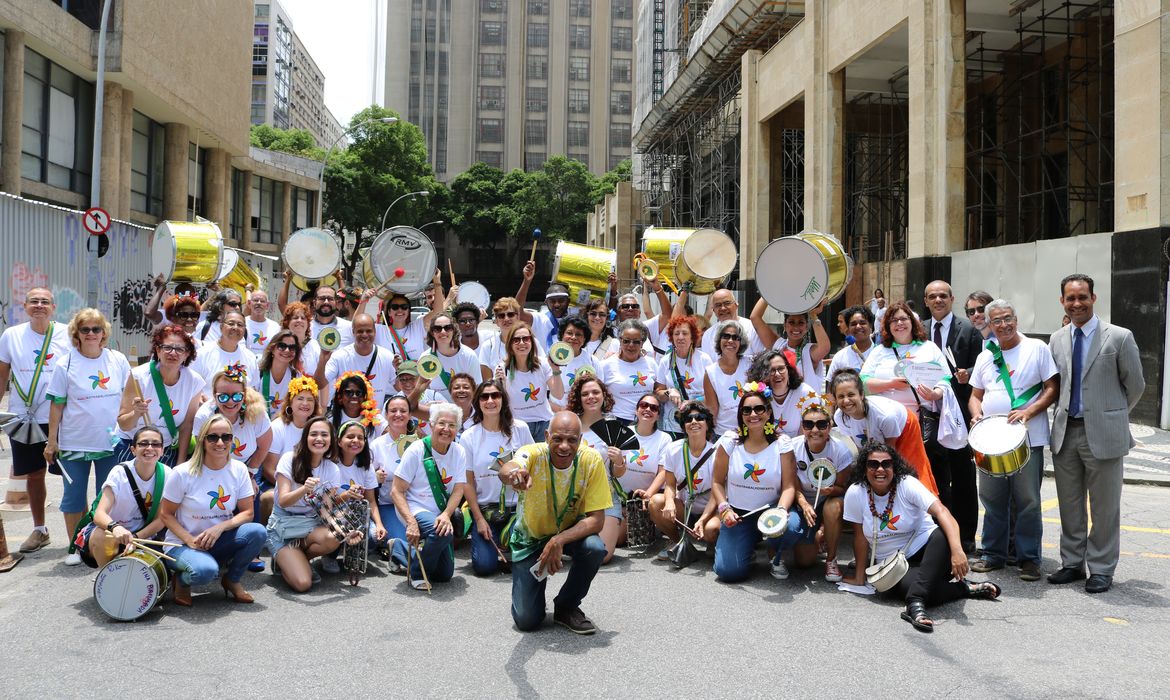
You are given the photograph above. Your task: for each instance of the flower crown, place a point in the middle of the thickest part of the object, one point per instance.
(758, 388)
(813, 400)
(236, 373)
(300, 384)
(369, 406)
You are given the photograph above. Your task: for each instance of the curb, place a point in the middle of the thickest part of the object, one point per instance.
(1128, 479)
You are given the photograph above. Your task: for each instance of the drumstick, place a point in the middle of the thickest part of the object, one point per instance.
(137, 394)
(535, 239)
(686, 527)
(421, 567)
(139, 540)
(451, 272)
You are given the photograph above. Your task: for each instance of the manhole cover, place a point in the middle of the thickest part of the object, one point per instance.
(1141, 431)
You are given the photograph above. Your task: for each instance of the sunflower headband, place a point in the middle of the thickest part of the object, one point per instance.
(300, 384)
(369, 406)
(812, 400)
(758, 388)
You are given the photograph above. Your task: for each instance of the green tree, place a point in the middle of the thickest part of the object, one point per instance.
(607, 183)
(475, 206)
(556, 199)
(298, 142)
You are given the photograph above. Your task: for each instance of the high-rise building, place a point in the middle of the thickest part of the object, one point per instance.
(511, 82)
(288, 89)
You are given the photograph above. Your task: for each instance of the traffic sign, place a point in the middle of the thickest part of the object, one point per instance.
(96, 220)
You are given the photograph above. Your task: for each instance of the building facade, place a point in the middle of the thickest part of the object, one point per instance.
(511, 82)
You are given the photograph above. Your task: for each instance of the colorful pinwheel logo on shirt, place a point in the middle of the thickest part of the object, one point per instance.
(171, 406)
(780, 423)
(100, 380)
(531, 392)
(888, 522)
(688, 380)
(259, 339)
(351, 485)
(753, 472)
(37, 356)
(238, 448)
(637, 458)
(1011, 372)
(446, 479)
(571, 376)
(274, 404)
(638, 379)
(219, 499)
(697, 480)
(736, 391)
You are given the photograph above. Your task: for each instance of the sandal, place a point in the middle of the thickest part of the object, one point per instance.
(987, 590)
(915, 614)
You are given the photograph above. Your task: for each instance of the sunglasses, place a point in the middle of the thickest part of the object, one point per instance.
(445, 328)
(506, 314)
(233, 304)
(467, 321)
(494, 396)
(971, 311)
(225, 397)
(286, 347)
(694, 418)
(225, 438)
(629, 307)
(875, 464)
(90, 330)
(653, 407)
(187, 315)
(598, 314)
(155, 444)
(753, 410)
(632, 341)
(399, 307)
(522, 339)
(354, 393)
(822, 424)
(729, 336)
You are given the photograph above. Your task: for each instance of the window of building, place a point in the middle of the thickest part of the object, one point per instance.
(146, 165)
(580, 8)
(623, 39)
(578, 68)
(619, 136)
(537, 67)
(491, 131)
(537, 34)
(534, 132)
(237, 205)
(583, 158)
(261, 10)
(303, 208)
(491, 65)
(578, 101)
(56, 125)
(579, 36)
(491, 96)
(578, 134)
(620, 70)
(493, 6)
(267, 196)
(621, 9)
(491, 33)
(538, 7)
(534, 161)
(196, 174)
(619, 102)
(492, 158)
(615, 159)
(536, 99)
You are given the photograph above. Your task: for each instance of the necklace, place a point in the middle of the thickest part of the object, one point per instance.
(885, 516)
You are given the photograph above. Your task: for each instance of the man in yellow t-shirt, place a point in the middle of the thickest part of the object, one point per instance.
(564, 494)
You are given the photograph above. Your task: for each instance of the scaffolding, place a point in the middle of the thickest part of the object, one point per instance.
(791, 214)
(1040, 125)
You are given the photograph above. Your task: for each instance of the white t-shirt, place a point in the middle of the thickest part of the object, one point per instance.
(277, 390)
(20, 348)
(211, 359)
(326, 472)
(811, 372)
(642, 463)
(849, 358)
(244, 434)
(885, 419)
(710, 345)
(673, 458)
(483, 448)
(344, 328)
(214, 332)
(492, 351)
(691, 373)
(452, 470)
(258, 334)
(464, 360)
(835, 451)
(600, 349)
(727, 388)
(1029, 363)
(347, 359)
(284, 437)
(882, 360)
(528, 392)
(190, 385)
(754, 480)
(354, 476)
(92, 389)
(569, 375)
(310, 357)
(413, 337)
(125, 509)
(628, 382)
(384, 456)
(909, 525)
(208, 499)
(787, 414)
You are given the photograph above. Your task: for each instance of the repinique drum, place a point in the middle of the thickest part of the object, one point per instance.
(312, 254)
(130, 585)
(773, 522)
(663, 246)
(405, 248)
(235, 273)
(584, 270)
(707, 258)
(186, 251)
(1001, 448)
(796, 273)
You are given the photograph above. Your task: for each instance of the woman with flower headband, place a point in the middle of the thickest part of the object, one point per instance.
(443, 344)
(278, 367)
(529, 378)
(681, 371)
(776, 369)
(754, 471)
(228, 349)
(299, 405)
(724, 379)
(591, 401)
(353, 399)
(687, 465)
(819, 508)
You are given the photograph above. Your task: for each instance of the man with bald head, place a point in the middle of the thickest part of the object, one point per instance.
(727, 309)
(566, 493)
(376, 362)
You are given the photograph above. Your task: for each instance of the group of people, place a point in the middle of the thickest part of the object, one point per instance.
(241, 434)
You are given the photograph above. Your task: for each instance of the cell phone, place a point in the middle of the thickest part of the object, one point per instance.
(537, 572)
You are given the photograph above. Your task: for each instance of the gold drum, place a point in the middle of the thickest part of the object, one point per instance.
(663, 246)
(1001, 448)
(584, 270)
(237, 274)
(706, 259)
(186, 251)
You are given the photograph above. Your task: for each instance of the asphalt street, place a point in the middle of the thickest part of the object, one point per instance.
(662, 633)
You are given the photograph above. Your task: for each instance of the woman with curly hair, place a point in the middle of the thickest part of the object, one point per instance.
(776, 369)
(353, 399)
(680, 371)
(887, 505)
(592, 402)
(182, 310)
(297, 318)
(208, 330)
(753, 471)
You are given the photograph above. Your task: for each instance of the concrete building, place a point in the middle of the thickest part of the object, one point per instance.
(510, 82)
(617, 224)
(288, 89)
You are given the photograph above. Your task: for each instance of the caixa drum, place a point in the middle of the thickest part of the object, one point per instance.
(187, 251)
(1001, 448)
(131, 585)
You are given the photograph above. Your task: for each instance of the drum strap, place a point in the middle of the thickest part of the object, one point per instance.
(1006, 377)
(164, 404)
(691, 471)
(148, 514)
(560, 513)
(678, 378)
(40, 366)
(398, 343)
(433, 477)
(554, 326)
(373, 359)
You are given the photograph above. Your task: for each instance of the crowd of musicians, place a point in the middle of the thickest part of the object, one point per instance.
(239, 434)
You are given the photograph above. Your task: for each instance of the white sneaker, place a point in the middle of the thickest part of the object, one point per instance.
(779, 570)
(329, 565)
(72, 559)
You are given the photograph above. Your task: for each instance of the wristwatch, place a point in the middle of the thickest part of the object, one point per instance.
(113, 524)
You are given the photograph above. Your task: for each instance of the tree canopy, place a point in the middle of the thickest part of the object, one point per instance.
(299, 142)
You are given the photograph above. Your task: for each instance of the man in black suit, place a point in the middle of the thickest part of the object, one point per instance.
(953, 469)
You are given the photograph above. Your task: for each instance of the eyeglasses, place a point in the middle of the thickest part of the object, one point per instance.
(154, 444)
(899, 320)
(172, 349)
(39, 302)
(972, 310)
(494, 396)
(232, 324)
(353, 393)
(187, 315)
(723, 305)
(1003, 321)
(598, 314)
(876, 464)
(445, 425)
(90, 330)
(822, 424)
(753, 410)
(505, 314)
(286, 347)
(225, 397)
(400, 307)
(729, 336)
(653, 407)
(782, 369)
(632, 341)
(467, 321)
(445, 328)
(522, 339)
(225, 438)
(629, 307)
(694, 418)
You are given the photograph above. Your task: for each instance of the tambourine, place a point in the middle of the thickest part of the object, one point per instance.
(329, 339)
(773, 522)
(822, 473)
(404, 442)
(585, 369)
(647, 269)
(560, 353)
(429, 367)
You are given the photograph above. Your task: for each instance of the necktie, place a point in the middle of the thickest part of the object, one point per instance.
(1074, 392)
(938, 334)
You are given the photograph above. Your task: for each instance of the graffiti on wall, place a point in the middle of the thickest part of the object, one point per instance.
(129, 305)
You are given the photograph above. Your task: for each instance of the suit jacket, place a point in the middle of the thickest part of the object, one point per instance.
(965, 342)
(1111, 385)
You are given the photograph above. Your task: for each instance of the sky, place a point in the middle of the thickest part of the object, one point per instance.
(339, 35)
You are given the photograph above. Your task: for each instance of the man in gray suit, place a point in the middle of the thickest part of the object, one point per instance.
(1100, 382)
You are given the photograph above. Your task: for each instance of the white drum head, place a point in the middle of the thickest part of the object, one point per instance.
(407, 248)
(127, 588)
(312, 253)
(994, 435)
(162, 251)
(772, 523)
(475, 293)
(792, 275)
(822, 473)
(709, 253)
(230, 258)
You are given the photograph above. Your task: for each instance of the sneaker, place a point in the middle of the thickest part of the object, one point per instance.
(779, 570)
(574, 620)
(36, 540)
(832, 571)
(1029, 571)
(330, 566)
(316, 576)
(72, 559)
(664, 555)
(985, 565)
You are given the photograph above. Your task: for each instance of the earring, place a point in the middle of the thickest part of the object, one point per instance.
(743, 431)
(769, 428)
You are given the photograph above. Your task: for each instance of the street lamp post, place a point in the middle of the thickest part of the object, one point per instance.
(432, 223)
(95, 183)
(412, 195)
(325, 163)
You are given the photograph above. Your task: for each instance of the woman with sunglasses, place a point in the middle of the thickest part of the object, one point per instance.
(859, 324)
(166, 382)
(867, 418)
(724, 379)
(687, 465)
(754, 471)
(976, 308)
(601, 342)
(643, 461)
(182, 310)
(118, 516)
(813, 444)
(406, 337)
(776, 369)
(493, 349)
(680, 372)
(630, 373)
(809, 353)
(207, 509)
(573, 333)
(296, 533)
(493, 436)
(531, 380)
(443, 344)
(84, 394)
(354, 399)
(228, 350)
(278, 367)
(209, 330)
(903, 340)
(882, 492)
(299, 405)
(297, 318)
(592, 402)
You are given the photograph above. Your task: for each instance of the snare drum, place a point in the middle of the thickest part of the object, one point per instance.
(584, 270)
(186, 251)
(663, 246)
(130, 585)
(1001, 448)
(796, 273)
(707, 258)
(773, 523)
(402, 247)
(312, 255)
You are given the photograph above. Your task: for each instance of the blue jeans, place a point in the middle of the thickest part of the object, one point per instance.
(485, 561)
(538, 428)
(437, 554)
(234, 548)
(528, 593)
(735, 548)
(73, 500)
(997, 493)
(262, 487)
